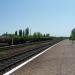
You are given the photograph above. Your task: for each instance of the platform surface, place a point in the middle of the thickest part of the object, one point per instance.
(60, 60)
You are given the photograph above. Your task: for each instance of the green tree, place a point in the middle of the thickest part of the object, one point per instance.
(73, 34)
(16, 33)
(47, 35)
(27, 31)
(20, 32)
(23, 33)
(5, 34)
(37, 35)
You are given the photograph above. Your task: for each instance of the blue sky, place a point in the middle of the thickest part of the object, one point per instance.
(56, 17)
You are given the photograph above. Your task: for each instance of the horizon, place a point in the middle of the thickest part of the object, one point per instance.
(30, 33)
(46, 16)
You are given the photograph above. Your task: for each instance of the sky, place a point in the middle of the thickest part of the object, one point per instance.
(56, 17)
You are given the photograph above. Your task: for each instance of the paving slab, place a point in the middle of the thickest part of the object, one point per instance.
(60, 60)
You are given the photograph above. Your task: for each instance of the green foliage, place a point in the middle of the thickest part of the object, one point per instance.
(72, 37)
(27, 31)
(23, 33)
(37, 35)
(20, 32)
(47, 35)
(22, 36)
(16, 33)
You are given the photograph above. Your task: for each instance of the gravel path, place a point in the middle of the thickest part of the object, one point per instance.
(60, 60)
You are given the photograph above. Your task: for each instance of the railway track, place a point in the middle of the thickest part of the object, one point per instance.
(8, 64)
(10, 51)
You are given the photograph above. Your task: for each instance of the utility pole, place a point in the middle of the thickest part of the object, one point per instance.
(30, 32)
(12, 40)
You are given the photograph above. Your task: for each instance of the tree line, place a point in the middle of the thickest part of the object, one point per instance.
(22, 32)
(23, 36)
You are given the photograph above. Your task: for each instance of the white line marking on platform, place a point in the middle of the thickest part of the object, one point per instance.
(24, 63)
